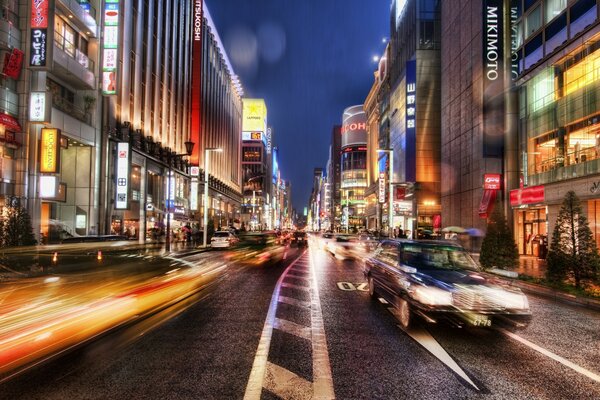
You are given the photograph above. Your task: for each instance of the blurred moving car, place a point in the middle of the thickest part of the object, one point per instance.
(325, 239)
(299, 238)
(344, 247)
(259, 248)
(439, 280)
(223, 239)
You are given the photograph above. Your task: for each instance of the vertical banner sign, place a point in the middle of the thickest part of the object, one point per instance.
(196, 92)
(194, 194)
(38, 50)
(13, 62)
(110, 47)
(411, 121)
(514, 39)
(382, 187)
(493, 79)
(50, 151)
(122, 192)
(39, 107)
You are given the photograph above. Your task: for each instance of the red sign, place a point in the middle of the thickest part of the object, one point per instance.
(39, 14)
(196, 92)
(437, 221)
(492, 181)
(528, 195)
(13, 63)
(355, 126)
(10, 122)
(400, 193)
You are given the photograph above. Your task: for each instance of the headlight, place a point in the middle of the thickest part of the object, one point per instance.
(432, 296)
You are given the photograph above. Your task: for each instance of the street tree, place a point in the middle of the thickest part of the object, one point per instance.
(498, 248)
(573, 252)
(16, 227)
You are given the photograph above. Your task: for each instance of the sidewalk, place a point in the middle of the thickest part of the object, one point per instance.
(528, 265)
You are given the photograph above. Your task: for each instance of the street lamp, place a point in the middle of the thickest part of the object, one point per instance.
(205, 219)
(391, 189)
(189, 148)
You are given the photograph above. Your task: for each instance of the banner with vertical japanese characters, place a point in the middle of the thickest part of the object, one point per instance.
(110, 47)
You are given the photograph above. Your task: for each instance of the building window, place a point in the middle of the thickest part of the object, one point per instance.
(541, 90)
(554, 8)
(583, 73)
(533, 21)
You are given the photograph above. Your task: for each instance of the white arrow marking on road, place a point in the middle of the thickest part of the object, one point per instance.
(553, 356)
(423, 337)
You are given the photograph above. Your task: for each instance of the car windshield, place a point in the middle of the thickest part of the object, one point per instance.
(221, 234)
(435, 256)
(300, 234)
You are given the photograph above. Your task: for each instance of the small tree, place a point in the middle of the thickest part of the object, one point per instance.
(573, 252)
(16, 228)
(498, 248)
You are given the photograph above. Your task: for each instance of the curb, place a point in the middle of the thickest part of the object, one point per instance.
(553, 294)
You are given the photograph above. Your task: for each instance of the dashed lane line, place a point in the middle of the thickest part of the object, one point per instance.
(555, 357)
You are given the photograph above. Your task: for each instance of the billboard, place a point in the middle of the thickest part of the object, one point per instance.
(354, 126)
(411, 120)
(254, 115)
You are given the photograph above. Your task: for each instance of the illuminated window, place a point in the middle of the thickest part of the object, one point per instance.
(583, 73)
(541, 90)
(554, 8)
(533, 21)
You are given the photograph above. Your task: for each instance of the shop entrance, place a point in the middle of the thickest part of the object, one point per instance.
(532, 232)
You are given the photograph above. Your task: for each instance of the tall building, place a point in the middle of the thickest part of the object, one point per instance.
(354, 167)
(256, 169)
(556, 51)
(472, 112)
(314, 202)
(56, 169)
(334, 172)
(411, 114)
(161, 81)
(13, 115)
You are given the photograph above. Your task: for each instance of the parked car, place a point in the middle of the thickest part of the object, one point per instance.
(299, 238)
(223, 239)
(439, 280)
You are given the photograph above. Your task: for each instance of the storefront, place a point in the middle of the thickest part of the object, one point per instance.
(530, 215)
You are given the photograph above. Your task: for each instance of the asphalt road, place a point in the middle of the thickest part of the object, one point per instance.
(318, 332)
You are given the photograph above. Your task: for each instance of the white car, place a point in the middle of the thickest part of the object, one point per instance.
(223, 239)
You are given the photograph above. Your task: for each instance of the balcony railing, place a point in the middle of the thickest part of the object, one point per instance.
(70, 49)
(71, 109)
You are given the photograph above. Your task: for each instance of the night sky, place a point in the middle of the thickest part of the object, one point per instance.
(309, 59)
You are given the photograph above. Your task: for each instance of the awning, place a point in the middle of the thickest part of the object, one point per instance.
(487, 202)
(10, 122)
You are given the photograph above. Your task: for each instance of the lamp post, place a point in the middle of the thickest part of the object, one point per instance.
(189, 147)
(391, 189)
(205, 208)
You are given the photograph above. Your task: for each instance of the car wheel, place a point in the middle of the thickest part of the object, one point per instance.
(372, 291)
(405, 315)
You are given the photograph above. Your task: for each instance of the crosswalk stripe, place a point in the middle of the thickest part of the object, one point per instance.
(292, 286)
(294, 302)
(292, 328)
(286, 384)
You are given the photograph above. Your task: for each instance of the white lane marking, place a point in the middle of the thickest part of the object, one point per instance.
(322, 377)
(285, 255)
(382, 300)
(551, 355)
(292, 286)
(286, 384)
(257, 374)
(304, 277)
(294, 302)
(292, 328)
(423, 337)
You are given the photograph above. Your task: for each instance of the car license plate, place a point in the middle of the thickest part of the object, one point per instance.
(481, 320)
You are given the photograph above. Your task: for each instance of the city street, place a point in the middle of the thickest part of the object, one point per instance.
(319, 334)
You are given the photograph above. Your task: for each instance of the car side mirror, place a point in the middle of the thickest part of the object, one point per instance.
(407, 269)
